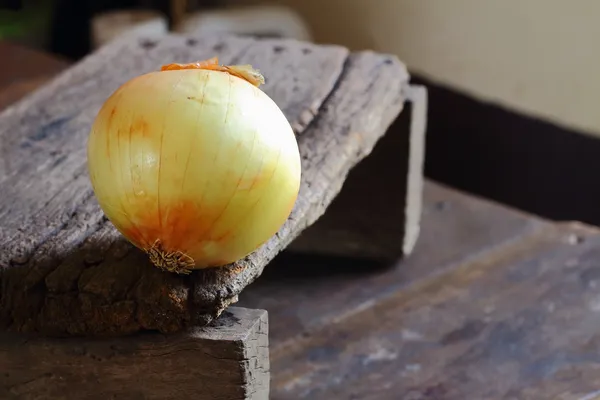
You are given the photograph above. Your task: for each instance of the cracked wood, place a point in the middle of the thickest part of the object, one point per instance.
(66, 270)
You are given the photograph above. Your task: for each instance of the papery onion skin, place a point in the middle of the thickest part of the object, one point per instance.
(194, 165)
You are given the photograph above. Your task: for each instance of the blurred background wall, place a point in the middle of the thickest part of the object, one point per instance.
(540, 57)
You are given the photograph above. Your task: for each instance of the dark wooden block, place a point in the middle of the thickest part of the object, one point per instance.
(228, 360)
(66, 270)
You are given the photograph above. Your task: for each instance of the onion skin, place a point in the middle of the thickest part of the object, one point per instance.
(194, 165)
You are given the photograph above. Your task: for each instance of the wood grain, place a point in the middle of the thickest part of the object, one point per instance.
(518, 324)
(304, 293)
(229, 360)
(65, 269)
(492, 304)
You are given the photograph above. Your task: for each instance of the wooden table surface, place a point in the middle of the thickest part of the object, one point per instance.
(493, 304)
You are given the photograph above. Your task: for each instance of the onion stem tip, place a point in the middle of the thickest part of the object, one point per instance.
(245, 72)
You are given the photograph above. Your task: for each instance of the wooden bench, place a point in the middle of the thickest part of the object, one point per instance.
(68, 277)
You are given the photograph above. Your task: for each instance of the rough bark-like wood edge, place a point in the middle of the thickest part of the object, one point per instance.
(229, 360)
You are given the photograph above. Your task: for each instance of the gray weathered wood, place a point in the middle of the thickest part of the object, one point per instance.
(493, 304)
(66, 270)
(227, 361)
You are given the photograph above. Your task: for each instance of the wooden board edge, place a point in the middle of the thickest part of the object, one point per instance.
(417, 96)
(229, 358)
(377, 213)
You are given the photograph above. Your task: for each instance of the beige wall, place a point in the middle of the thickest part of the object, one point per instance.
(541, 57)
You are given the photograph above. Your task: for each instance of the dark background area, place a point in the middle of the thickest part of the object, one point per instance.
(71, 26)
(70, 19)
(518, 160)
(71, 23)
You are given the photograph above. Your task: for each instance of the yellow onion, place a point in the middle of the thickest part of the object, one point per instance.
(194, 164)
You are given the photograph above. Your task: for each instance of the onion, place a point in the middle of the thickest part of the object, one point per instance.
(194, 164)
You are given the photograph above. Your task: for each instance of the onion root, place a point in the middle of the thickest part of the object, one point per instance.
(170, 261)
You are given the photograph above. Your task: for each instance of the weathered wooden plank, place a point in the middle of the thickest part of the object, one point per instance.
(48, 131)
(377, 214)
(493, 304)
(64, 267)
(518, 324)
(227, 361)
(304, 292)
